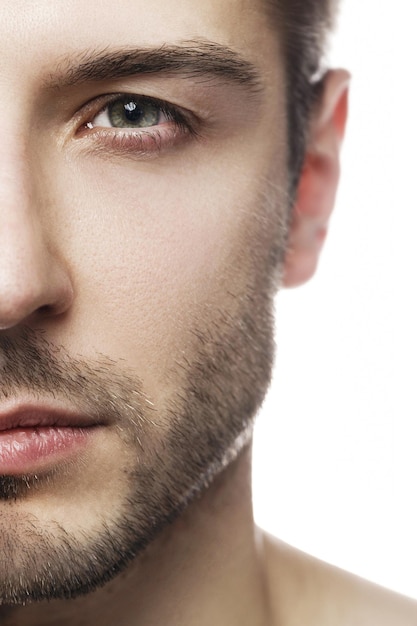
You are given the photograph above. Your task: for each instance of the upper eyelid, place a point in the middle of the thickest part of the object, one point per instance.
(99, 103)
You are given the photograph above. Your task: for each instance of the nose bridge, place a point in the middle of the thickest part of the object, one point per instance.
(18, 96)
(18, 224)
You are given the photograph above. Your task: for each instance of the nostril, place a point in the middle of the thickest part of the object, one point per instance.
(45, 309)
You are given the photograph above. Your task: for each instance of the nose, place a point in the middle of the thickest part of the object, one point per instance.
(34, 281)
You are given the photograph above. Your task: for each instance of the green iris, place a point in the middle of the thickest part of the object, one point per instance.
(131, 113)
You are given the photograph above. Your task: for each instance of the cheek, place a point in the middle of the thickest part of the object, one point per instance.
(153, 250)
(152, 232)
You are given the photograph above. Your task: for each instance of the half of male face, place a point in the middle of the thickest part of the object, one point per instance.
(154, 447)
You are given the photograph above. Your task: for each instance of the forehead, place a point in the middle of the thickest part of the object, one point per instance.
(43, 30)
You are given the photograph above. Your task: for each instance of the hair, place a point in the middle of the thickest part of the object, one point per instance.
(304, 27)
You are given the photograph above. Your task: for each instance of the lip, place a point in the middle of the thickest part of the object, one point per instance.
(34, 437)
(42, 415)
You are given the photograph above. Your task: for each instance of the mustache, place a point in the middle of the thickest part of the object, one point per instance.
(101, 388)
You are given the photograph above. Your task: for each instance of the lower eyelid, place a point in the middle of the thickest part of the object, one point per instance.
(136, 144)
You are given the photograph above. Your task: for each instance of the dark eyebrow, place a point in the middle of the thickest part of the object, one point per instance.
(190, 59)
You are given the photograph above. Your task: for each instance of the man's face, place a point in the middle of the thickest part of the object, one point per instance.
(141, 221)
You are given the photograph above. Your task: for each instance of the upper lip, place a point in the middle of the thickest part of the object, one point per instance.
(38, 415)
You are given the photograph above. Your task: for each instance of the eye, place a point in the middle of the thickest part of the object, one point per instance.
(136, 126)
(132, 112)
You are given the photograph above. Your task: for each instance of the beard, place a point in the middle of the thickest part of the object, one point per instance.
(207, 424)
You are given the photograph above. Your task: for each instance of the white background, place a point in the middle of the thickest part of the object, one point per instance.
(336, 444)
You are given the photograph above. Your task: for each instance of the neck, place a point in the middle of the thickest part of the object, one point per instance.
(207, 568)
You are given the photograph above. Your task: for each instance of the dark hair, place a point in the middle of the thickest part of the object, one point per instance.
(304, 26)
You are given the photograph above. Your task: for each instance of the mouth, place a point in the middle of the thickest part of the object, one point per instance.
(37, 437)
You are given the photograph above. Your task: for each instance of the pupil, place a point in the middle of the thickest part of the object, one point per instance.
(132, 111)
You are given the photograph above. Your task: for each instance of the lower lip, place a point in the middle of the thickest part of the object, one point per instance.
(24, 450)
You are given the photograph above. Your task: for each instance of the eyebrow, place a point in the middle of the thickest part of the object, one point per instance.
(189, 59)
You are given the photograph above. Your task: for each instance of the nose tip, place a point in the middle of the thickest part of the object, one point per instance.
(23, 299)
(33, 282)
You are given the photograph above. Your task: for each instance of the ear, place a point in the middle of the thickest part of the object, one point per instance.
(318, 182)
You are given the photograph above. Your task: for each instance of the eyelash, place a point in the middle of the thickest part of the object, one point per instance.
(139, 142)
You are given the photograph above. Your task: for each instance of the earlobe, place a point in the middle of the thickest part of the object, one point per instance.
(318, 181)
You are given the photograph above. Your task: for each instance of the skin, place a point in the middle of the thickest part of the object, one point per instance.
(124, 258)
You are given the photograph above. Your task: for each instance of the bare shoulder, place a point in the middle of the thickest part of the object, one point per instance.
(305, 590)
